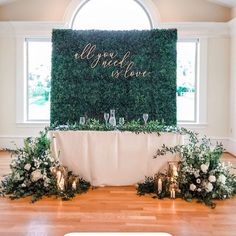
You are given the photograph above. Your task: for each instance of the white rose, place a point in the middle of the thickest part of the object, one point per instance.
(198, 181)
(212, 178)
(36, 175)
(23, 185)
(209, 187)
(204, 168)
(196, 174)
(199, 190)
(222, 179)
(192, 187)
(27, 166)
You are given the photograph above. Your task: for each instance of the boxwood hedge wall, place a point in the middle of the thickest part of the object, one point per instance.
(133, 72)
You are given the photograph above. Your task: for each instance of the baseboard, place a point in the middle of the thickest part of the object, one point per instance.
(11, 142)
(232, 146)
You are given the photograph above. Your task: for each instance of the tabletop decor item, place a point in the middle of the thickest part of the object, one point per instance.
(145, 118)
(106, 117)
(121, 121)
(82, 120)
(112, 119)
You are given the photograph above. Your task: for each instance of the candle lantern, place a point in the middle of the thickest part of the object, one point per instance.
(61, 174)
(73, 181)
(173, 169)
(159, 183)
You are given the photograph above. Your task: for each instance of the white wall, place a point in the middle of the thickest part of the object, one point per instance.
(9, 130)
(232, 113)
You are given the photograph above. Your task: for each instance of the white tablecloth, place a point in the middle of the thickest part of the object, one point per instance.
(111, 157)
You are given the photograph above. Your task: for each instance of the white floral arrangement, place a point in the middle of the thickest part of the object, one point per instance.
(202, 175)
(32, 175)
(30, 170)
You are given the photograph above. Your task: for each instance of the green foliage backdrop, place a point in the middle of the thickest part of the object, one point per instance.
(78, 89)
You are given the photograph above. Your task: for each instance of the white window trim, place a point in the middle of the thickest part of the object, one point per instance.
(196, 94)
(22, 31)
(21, 83)
(201, 85)
(26, 82)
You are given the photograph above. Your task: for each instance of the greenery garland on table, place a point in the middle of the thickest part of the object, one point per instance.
(133, 126)
(31, 172)
(202, 175)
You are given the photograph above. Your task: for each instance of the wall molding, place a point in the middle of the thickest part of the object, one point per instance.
(232, 146)
(186, 29)
(232, 26)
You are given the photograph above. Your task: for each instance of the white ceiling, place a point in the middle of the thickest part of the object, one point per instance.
(228, 3)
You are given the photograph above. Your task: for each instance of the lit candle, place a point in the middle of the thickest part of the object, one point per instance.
(74, 185)
(173, 193)
(175, 173)
(159, 185)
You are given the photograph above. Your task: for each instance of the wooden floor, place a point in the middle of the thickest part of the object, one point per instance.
(113, 209)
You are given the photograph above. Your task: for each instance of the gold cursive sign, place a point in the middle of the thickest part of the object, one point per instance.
(122, 67)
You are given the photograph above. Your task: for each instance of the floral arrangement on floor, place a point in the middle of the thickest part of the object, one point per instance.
(33, 173)
(201, 174)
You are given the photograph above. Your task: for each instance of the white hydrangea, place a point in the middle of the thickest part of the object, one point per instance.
(192, 187)
(212, 178)
(13, 164)
(17, 176)
(209, 187)
(36, 175)
(27, 166)
(204, 168)
(222, 179)
(46, 182)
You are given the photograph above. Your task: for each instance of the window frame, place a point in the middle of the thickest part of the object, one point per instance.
(196, 94)
(139, 2)
(27, 40)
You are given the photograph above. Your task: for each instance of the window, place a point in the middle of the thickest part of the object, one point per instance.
(38, 79)
(112, 15)
(186, 80)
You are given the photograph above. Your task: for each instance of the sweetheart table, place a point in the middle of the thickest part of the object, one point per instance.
(113, 158)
